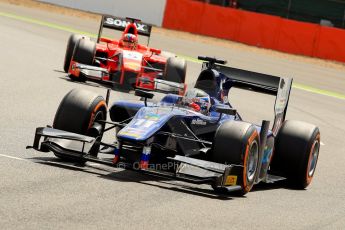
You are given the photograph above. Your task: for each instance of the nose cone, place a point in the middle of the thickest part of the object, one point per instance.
(130, 66)
(132, 60)
(146, 122)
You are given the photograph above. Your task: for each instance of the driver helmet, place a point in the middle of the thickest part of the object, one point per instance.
(198, 99)
(130, 41)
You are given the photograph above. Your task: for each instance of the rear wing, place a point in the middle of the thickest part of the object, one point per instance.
(263, 83)
(245, 79)
(117, 23)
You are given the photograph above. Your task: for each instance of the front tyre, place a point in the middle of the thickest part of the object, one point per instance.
(72, 41)
(80, 112)
(237, 142)
(84, 53)
(296, 152)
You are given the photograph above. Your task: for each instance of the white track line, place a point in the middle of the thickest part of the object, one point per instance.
(16, 158)
(34, 161)
(93, 164)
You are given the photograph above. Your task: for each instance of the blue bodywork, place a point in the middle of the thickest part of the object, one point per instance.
(170, 117)
(149, 120)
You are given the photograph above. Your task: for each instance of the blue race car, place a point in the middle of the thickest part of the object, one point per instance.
(198, 138)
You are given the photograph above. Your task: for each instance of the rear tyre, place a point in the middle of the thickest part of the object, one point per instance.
(296, 152)
(237, 143)
(79, 112)
(175, 70)
(72, 41)
(84, 53)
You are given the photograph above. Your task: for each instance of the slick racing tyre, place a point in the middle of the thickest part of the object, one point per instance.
(79, 112)
(72, 41)
(296, 152)
(84, 53)
(237, 142)
(175, 70)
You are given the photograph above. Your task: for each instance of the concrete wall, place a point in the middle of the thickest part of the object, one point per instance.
(150, 11)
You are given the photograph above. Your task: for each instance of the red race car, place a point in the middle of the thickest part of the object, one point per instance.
(124, 62)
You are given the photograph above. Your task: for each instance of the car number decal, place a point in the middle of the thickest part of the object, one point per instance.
(132, 55)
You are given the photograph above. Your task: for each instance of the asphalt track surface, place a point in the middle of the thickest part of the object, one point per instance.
(37, 191)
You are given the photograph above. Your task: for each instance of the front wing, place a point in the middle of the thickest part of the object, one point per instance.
(190, 170)
(143, 82)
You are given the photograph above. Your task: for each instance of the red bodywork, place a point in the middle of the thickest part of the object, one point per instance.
(124, 66)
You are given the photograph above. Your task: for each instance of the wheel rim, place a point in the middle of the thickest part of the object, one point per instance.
(313, 158)
(95, 120)
(98, 117)
(252, 161)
